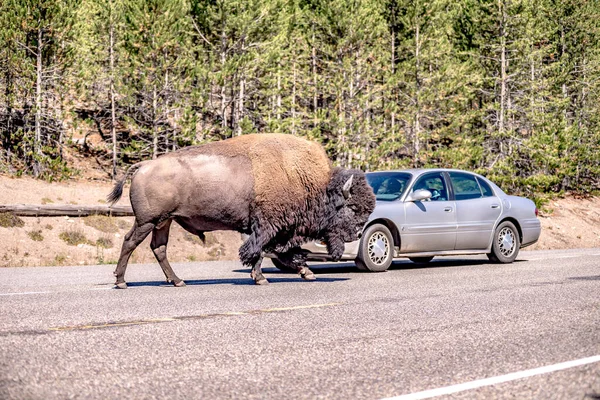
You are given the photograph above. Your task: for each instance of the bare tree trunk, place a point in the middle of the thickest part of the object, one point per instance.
(503, 77)
(563, 49)
(314, 76)
(113, 114)
(417, 123)
(223, 59)
(166, 107)
(393, 70)
(278, 92)
(154, 123)
(294, 98)
(37, 144)
(240, 110)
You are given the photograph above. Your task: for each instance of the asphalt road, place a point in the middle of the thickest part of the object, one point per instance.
(65, 333)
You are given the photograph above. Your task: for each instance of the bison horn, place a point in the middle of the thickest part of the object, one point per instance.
(347, 186)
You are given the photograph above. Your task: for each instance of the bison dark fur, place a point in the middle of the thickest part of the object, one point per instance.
(280, 190)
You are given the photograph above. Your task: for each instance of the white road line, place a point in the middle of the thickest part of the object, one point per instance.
(22, 293)
(561, 257)
(427, 394)
(46, 292)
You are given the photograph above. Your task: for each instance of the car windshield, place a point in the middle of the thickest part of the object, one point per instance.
(388, 185)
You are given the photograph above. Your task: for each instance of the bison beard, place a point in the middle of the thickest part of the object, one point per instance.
(279, 189)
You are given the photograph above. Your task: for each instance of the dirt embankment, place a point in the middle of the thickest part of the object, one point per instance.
(566, 223)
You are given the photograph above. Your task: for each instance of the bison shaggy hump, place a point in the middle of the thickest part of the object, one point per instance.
(287, 170)
(279, 189)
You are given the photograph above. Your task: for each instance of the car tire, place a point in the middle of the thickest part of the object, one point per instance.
(420, 260)
(506, 243)
(283, 267)
(376, 250)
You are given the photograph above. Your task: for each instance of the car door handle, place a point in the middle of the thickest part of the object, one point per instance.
(448, 209)
(495, 205)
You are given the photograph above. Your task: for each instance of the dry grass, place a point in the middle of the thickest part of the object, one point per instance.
(209, 239)
(36, 235)
(10, 220)
(123, 224)
(105, 242)
(73, 237)
(101, 222)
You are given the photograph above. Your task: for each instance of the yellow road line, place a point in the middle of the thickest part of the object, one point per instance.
(187, 317)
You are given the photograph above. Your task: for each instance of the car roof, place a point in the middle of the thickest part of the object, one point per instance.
(419, 171)
(416, 172)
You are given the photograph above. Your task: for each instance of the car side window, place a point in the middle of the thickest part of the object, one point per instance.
(465, 186)
(485, 188)
(435, 184)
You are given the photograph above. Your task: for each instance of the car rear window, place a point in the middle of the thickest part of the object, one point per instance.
(388, 185)
(465, 186)
(485, 188)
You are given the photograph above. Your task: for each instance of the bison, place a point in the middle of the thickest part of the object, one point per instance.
(278, 189)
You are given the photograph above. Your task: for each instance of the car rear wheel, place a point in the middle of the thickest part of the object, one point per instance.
(376, 250)
(420, 260)
(506, 244)
(280, 265)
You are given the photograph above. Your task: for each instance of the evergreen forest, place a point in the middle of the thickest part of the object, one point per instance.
(506, 88)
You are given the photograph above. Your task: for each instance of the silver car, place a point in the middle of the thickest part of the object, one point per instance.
(422, 213)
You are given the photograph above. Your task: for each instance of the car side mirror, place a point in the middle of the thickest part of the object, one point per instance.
(419, 195)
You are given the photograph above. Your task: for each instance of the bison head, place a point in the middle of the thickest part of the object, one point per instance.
(350, 202)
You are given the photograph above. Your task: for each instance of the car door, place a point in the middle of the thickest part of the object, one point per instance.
(430, 225)
(477, 210)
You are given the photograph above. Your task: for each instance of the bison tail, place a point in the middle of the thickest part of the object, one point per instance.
(117, 191)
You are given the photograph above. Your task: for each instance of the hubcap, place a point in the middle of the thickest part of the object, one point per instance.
(378, 248)
(506, 242)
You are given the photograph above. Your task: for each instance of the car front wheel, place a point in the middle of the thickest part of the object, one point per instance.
(506, 244)
(376, 250)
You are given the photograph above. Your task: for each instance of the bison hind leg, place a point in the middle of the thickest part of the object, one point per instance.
(160, 239)
(134, 237)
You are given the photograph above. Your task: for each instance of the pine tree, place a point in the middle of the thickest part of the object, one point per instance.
(98, 68)
(38, 35)
(156, 76)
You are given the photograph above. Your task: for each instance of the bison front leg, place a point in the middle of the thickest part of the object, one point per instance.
(251, 256)
(296, 258)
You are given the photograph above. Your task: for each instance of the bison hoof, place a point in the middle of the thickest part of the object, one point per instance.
(259, 278)
(179, 284)
(120, 285)
(307, 274)
(262, 281)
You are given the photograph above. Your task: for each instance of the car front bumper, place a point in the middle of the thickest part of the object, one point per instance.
(317, 251)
